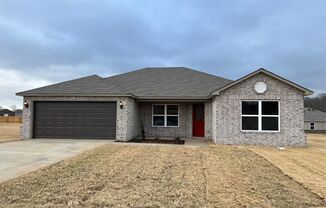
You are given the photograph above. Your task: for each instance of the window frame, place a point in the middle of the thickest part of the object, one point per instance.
(165, 115)
(312, 124)
(261, 116)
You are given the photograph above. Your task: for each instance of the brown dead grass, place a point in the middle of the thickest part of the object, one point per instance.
(9, 131)
(158, 176)
(305, 165)
(240, 178)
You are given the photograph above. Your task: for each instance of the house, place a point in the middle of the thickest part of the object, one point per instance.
(6, 112)
(260, 108)
(314, 120)
(19, 112)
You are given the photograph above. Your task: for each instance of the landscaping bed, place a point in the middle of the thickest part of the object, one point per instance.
(162, 141)
(158, 141)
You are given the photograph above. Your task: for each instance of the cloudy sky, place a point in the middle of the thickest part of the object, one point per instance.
(43, 42)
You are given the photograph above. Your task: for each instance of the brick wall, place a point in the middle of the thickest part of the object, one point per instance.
(227, 114)
(127, 118)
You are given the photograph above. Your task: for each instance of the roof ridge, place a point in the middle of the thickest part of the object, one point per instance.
(128, 72)
(169, 67)
(205, 73)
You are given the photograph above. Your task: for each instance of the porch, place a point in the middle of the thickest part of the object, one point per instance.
(175, 119)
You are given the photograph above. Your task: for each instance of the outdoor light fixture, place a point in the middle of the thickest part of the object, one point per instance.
(121, 105)
(25, 104)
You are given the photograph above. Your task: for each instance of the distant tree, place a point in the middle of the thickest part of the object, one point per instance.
(13, 107)
(318, 102)
(1, 107)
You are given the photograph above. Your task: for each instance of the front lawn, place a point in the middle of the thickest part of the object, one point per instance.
(305, 165)
(158, 176)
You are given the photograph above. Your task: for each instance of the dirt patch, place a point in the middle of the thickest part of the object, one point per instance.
(9, 132)
(305, 165)
(158, 176)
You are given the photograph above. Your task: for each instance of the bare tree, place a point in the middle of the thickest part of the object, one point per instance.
(13, 108)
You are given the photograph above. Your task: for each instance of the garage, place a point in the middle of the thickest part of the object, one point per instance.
(80, 120)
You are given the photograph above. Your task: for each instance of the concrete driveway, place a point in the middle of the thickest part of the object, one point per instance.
(20, 157)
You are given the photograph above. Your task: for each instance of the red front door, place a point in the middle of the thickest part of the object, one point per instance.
(198, 120)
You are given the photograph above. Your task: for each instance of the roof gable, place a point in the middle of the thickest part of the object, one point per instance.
(262, 70)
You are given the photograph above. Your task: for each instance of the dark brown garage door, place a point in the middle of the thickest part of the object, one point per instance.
(81, 120)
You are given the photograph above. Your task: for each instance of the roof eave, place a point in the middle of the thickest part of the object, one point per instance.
(172, 98)
(73, 94)
(141, 98)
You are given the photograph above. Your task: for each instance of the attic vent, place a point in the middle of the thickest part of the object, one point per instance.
(260, 87)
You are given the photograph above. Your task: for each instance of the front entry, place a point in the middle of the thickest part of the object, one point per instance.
(198, 120)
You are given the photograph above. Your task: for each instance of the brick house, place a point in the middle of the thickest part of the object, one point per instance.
(261, 108)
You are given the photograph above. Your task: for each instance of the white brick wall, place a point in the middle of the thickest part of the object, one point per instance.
(227, 114)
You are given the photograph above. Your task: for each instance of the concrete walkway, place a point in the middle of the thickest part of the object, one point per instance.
(20, 157)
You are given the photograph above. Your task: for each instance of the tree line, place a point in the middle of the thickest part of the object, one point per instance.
(318, 102)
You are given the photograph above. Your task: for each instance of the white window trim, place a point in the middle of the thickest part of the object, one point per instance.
(313, 125)
(165, 116)
(260, 116)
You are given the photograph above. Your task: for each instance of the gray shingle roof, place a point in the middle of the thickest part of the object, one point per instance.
(173, 82)
(314, 115)
(88, 86)
(168, 82)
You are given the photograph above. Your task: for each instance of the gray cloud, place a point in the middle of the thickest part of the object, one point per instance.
(59, 40)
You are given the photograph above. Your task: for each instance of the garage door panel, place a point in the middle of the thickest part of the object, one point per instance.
(75, 124)
(75, 120)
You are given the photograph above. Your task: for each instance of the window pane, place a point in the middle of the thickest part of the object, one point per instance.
(249, 123)
(270, 123)
(158, 120)
(249, 108)
(172, 109)
(158, 109)
(270, 108)
(172, 121)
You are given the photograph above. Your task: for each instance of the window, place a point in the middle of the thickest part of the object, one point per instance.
(165, 115)
(312, 126)
(260, 116)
